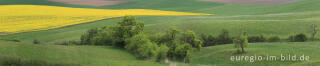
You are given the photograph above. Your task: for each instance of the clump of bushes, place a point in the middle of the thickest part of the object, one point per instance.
(298, 37)
(97, 36)
(208, 40)
(222, 38)
(128, 34)
(253, 39)
(142, 46)
(182, 52)
(16, 61)
(71, 42)
(274, 39)
(180, 44)
(191, 38)
(162, 53)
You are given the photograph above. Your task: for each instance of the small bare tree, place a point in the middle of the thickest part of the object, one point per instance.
(314, 31)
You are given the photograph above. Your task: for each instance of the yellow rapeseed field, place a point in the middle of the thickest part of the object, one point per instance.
(23, 18)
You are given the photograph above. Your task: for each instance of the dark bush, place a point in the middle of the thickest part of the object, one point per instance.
(97, 36)
(274, 39)
(252, 39)
(72, 42)
(208, 40)
(298, 37)
(224, 38)
(87, 37)
(301, 37)
(36, 41)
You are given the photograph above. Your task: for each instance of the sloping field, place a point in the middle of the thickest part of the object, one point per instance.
(86, 55)
(23, 18)
(111, 56)
(220, 55)
(254, 2)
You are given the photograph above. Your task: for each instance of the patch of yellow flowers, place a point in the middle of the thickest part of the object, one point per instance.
(23, 18)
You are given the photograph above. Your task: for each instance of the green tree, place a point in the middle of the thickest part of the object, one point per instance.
(97, 36)
(191, 38)
(103, 37)
(224, 37)
(162, 53)
(125, 29)
(208, 40)
(183, 52)
(142, 46)
(198, 44)
(170, 36)
(87, 37)
(241, 43)
(314, 32)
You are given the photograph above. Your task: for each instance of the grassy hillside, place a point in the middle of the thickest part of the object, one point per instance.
(86, 55)
(104, 55)
(273, 24)
(220, 55)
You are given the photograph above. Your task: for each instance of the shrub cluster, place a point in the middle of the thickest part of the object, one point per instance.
(142, 46)
(72, 42)
(128, 34)
(274, 39)
(254, 38)
(298, 37)
(97, 36)
(176, 45)
(223, 38)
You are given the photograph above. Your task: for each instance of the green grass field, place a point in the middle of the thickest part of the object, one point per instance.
(220, 55)
(279, 20)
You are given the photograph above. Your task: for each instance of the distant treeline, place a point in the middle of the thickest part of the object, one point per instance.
(225, 38)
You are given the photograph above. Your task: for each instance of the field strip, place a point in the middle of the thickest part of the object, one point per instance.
(264, 15)
(25, 18)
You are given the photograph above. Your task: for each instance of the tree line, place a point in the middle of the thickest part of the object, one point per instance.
(172, 44)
